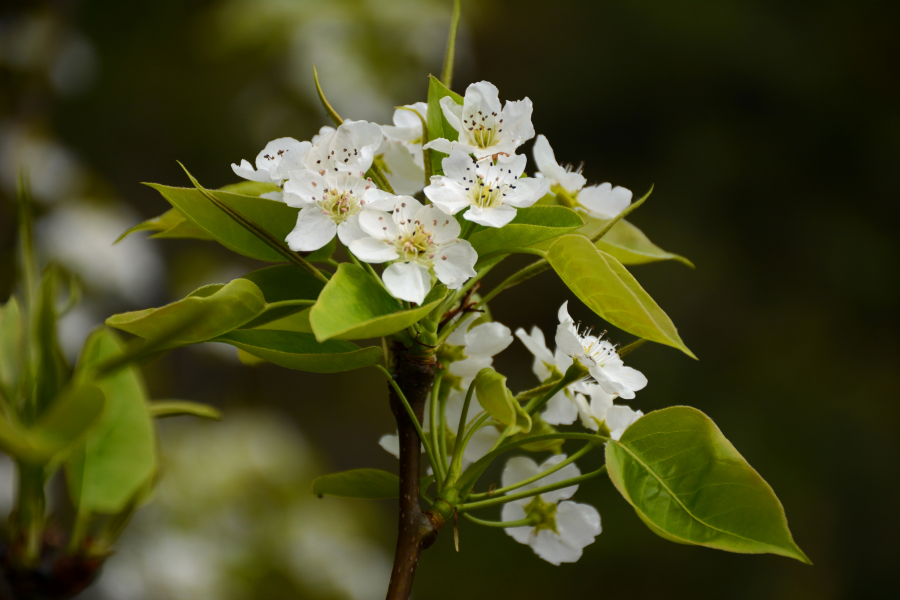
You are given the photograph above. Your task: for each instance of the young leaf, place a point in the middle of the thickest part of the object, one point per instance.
(371, 484)
(275, 217)
(118, 456)
(628, 243)
(494, 397)
(301, 351)
(531, 226)
(210, 313)
(438, 126)
(354, 306)
(607, 288)
(689, 485)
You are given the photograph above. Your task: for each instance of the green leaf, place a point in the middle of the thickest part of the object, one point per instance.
(287, 289)
(180, 408)
(495, 398)
(171, 225)
(118, 456)
(250, 188)
(197, 318)
(531, 226)
(52, 370)
(297, 322)
(607, 288)
(628, 244)
(63, 424)
(370, 484)
(438, 126)
(275, 217)
(354, 306)
(301, 351)
(11, 330)
(689, 485)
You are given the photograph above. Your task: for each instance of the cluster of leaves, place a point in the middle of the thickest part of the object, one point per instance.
(94, 422)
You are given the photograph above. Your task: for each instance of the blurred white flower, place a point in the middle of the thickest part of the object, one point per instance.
(415, 238)
(53, 170)
(407, 130)
(479, 346)
(561, 529)
(548, 168)
(485, 129)
(491, 192)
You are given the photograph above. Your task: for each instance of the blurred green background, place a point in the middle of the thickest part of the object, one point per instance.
(771, 131)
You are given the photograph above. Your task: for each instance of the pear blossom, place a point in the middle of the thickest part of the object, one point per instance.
(330, 203)
(491, 192)
(400, 168)
(274, 163)
(600, 201)
(562, 408)
(548, 168)
(485, 129)
(599, 409)
(479, 346)
(351, 147)
(599, 356)
(407, 130)
(415, 239)
(562, 528)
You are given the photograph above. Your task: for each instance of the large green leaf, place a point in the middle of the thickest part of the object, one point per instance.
(118, 456)
(59, 428)
(628, 243)
(301, 351)
(371, 484)
(287, 289)
(607, 288)
(275, 217)
(199, 317)
(11, 330)
(355, 306)
(531, 226)
(495, 398)
(689, 485)
(438, 126)
(169, 225)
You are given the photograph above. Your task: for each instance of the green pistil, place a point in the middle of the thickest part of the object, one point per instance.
(543, 513)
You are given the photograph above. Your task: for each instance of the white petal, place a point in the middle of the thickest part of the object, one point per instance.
(391, 443)
(517, 120)
(454, 264)
(567, 341)
(515, 511)
(458, 337)
(441, 145)
(567, 472)
(543, 156)
(488, 339)
(578, 524)
(459, 166)
(469, 367)
(246, 171)
(378, 224)
(603, 201)
(349, 231)
(619, 418)
(306, 186)
(313, 230)
(373, 250)
(446, 229)
(402, 172)
(563, 313)
(630, 378)
(407, 281)
(448, 195)
(527, 192)
(550, 546)
(518, 468)
(277, 196)
(481, 96)
(452, 112)
(560, 410)
(497, 216)
(586, 413)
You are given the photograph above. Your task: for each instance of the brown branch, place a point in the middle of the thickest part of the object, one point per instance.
(416, 530)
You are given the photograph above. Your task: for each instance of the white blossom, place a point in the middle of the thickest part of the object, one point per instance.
(562, 528)
(479, 346)
(351, 147)
(619, 418)
(601, 201)
(407, 130)
(599, 356)
(330, 203)
(274, 163)
(415, 239)
(491, 192)
(595, 407)
(484, 128)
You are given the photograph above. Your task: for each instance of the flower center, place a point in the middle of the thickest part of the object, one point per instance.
(543, 513)
(487, 194)
(339, 205)
(483, 128)
(415, 243)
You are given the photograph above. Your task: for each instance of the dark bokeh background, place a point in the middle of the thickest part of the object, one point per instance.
(771, 132)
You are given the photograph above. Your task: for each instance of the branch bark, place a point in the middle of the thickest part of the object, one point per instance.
(416, 530)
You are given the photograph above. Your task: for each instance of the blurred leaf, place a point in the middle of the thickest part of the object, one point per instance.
(118, 456)
(438, 126)
(371, 484)
(198, 317)
(275, 217)
(301, 351)
(531, 226)
(51, 369)
(495, 398)
(354, 305)
(689, 485)
(179, 408)
(65, 421)
(171, 224)
(11, 348)
(607, 288)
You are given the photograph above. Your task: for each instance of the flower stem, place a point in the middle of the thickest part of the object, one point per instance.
(526, 522)
(463, 508)
(573, 374)
(456, 462)
(447, 71)
(440, 467)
